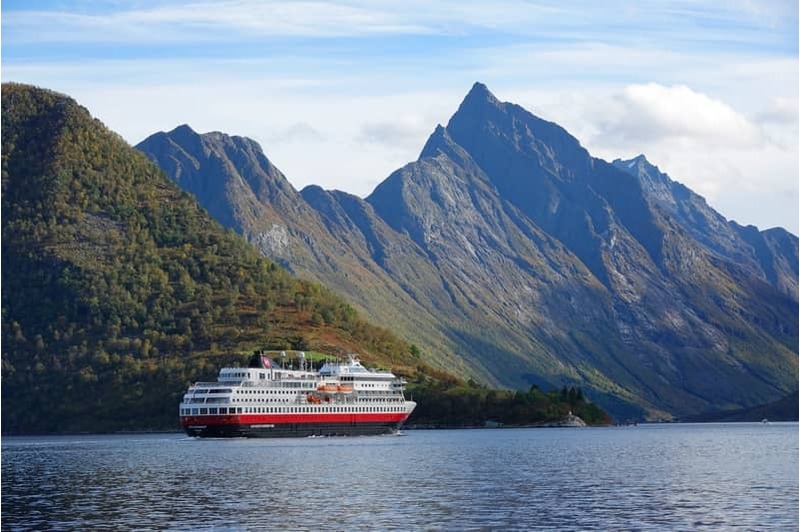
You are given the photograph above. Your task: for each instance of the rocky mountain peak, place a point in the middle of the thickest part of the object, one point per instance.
(479, 95)
(183, 130)
(495, 132)
(507, 243)
(655, 183)
(640, 165)
(436, 141)
(441, 144)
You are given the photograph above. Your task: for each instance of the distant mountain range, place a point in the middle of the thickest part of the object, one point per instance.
(508, 253)
(784, 409)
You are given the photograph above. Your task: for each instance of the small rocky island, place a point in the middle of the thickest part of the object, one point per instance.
(570, 420)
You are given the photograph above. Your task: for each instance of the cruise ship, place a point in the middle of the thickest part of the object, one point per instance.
(269, 399)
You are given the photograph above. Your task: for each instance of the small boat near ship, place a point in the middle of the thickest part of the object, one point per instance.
(342, 398)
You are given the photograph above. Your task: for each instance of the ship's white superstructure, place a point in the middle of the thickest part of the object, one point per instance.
(269, 399)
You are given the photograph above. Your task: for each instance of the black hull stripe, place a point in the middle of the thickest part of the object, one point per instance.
(291, 430)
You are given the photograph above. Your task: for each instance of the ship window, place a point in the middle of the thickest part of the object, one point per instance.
(203, 411)
(212, 410)
(223, 410)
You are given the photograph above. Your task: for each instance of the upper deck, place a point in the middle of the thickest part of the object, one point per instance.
(349, 374)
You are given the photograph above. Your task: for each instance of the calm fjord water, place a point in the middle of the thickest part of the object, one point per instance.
(647, 477)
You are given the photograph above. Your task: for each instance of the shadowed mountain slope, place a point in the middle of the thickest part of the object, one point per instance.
(535, 263)
(340, 243)
(770, 255)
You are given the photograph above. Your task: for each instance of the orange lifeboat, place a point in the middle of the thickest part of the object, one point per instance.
(345, 388)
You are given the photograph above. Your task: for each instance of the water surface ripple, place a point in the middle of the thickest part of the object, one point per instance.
(650, 477)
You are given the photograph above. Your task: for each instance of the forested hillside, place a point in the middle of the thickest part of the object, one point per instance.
(119, 290)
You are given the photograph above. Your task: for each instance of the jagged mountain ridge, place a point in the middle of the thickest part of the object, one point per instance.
(537, 263)
(771, 255)
(340, 243)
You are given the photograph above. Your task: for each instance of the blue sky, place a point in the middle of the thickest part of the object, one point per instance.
(340, 94)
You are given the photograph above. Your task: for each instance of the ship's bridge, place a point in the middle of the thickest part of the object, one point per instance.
(352, 367)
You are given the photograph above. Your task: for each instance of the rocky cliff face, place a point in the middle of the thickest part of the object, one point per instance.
(508, 246)
(333, 237)
(233, 179)
(769, 255)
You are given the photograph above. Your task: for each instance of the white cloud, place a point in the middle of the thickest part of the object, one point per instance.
(780, 111)
(653, 112)
(400, 134)
(705, 105)
(298, 132)
(208, 21)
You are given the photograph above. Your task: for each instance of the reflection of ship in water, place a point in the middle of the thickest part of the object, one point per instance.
(268, 400)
